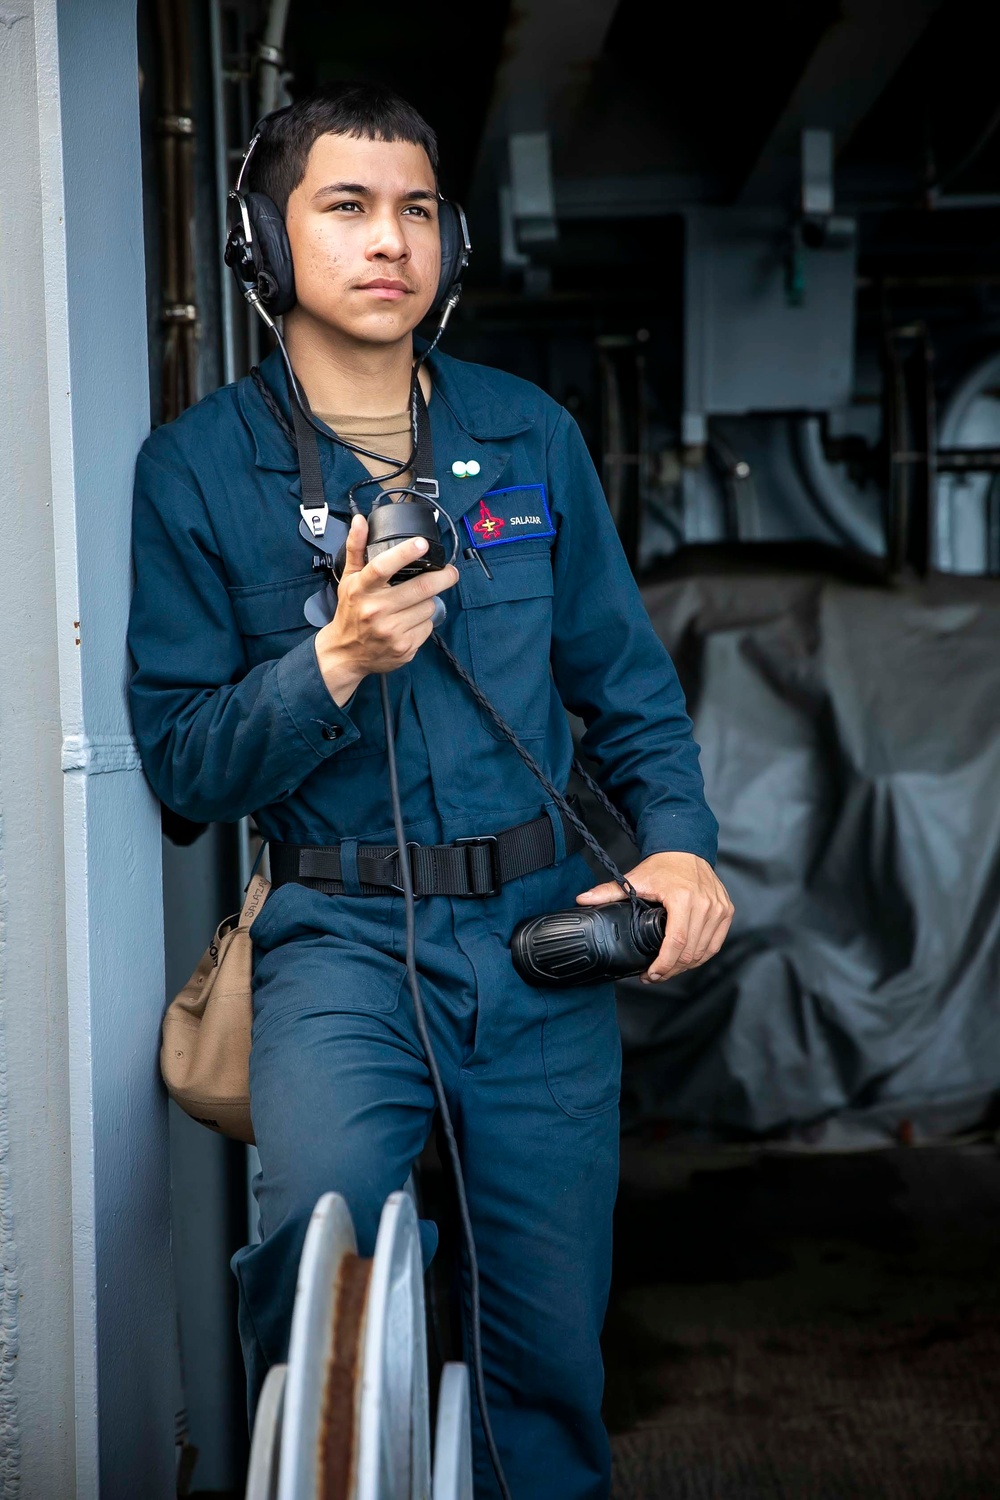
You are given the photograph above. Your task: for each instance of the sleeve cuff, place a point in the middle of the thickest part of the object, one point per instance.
(678, 834)
(307, 702)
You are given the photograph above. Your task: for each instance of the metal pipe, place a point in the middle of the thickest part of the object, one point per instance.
(178, 312)
(968, 460)
(271, 57)
(222, 186)
(844, 507)
(187, 331)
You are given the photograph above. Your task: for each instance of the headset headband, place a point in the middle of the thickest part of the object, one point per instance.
(247, 155)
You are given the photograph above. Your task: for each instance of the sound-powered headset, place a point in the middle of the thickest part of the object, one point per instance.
(258, 252)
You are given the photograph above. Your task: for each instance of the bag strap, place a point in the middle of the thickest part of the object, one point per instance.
(257, 892)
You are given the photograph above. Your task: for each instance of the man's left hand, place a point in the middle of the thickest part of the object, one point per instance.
(698, 908)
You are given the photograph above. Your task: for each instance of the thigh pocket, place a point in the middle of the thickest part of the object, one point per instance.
(300, 972)
(510, 635)
(581, 1049)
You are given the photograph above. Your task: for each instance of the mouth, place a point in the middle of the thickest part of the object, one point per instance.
(386, 288)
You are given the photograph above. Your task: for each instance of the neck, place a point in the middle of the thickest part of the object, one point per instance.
(346, 375)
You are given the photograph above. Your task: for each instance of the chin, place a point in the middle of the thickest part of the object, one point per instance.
(382, 330)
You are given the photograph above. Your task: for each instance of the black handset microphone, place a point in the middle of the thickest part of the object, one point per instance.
(390, 524)
(587, 944)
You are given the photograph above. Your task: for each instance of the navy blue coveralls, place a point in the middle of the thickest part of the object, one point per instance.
(232, 717)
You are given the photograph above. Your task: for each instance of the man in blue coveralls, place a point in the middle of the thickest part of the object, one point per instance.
(241, 706)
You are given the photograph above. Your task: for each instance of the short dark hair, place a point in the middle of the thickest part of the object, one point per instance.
(363, 110)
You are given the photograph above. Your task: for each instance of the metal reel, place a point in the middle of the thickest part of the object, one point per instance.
(350, 1420)
(453, 1436)
(394, 1430)
(265, 1451)
(326, 1295)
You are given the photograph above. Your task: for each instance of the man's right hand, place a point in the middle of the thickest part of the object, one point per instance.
(377, 627)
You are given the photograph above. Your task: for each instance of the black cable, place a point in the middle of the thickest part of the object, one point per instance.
(394, 473)
(303, 404)
(271, 402)
(605, 801)
(298, 395)
(396, 468)
(564, 807)
(253, 299)
(406, 880)
(446, 313)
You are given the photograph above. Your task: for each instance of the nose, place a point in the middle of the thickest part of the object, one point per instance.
(386, 239)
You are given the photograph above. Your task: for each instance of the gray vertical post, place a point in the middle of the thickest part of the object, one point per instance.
(37, 1451)
(86, 956)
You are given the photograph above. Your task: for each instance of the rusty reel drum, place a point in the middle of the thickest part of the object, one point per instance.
(348, 1418)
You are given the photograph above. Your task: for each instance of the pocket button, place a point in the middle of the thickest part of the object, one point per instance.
(331, 731)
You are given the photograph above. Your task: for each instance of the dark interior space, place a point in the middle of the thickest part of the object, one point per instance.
(793, 1325)
(755, 251)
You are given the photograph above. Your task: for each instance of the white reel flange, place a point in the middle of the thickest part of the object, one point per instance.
(350, 1418)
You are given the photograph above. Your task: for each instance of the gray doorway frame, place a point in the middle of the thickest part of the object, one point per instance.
(93, 1385)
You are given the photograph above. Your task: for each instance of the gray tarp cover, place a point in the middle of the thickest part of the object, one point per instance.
(851, 748)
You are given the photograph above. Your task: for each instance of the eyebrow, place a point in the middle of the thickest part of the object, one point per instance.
(359, 190)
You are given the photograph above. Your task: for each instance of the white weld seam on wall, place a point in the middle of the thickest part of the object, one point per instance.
(100, 756)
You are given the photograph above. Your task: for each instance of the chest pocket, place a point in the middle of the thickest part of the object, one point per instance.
(270, 616)
(510, 635)
(271, 622)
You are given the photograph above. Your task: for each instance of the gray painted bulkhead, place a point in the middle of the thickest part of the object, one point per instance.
(88, 1362)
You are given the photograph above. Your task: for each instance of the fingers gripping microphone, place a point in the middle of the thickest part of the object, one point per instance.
(587, 944)
(388, 525)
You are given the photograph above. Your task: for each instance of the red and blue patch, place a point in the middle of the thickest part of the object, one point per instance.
(509, 515)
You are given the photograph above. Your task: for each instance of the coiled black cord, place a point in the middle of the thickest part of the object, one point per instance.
(399, 491)
(406, 880)
(549, 786)
(297, 395)
(605, 801)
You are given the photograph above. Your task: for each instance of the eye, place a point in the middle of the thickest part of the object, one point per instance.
(348, 206)
(415, 208)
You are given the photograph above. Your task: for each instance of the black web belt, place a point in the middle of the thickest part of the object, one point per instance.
(468, 867)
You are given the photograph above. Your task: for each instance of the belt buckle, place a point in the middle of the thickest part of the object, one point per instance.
(486, 840)
(394, 885)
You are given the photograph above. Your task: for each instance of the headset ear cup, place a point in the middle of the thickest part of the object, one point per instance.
(272, 254)
(452, 252)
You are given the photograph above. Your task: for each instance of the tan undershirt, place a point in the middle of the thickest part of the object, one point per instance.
(389, 435)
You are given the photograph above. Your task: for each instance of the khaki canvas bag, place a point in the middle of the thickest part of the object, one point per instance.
(205, 1048)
